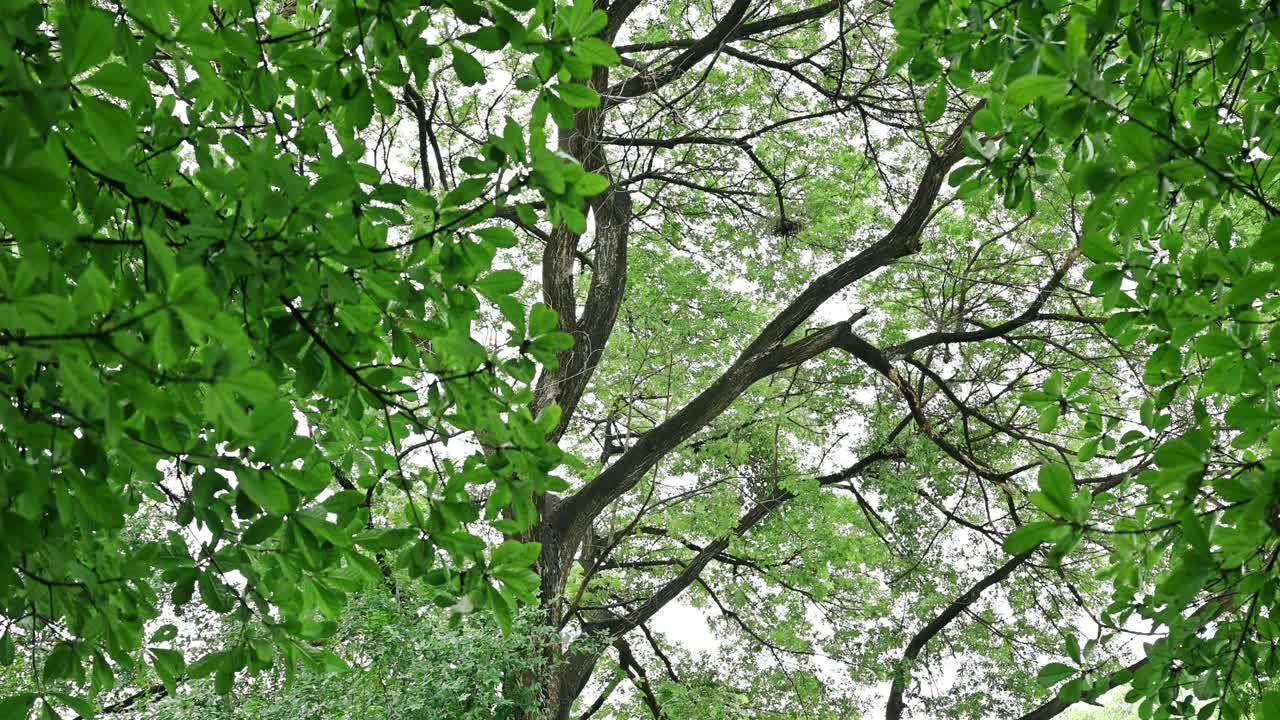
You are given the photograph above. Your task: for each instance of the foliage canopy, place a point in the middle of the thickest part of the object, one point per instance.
(200, 260)
(943, 360)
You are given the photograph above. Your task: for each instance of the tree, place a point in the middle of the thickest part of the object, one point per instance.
(877, 359)
(1161, 114)
(220, 307)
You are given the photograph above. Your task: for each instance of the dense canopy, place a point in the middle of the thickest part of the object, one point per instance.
(686, 359)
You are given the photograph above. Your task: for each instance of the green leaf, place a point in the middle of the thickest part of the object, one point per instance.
(261, 529)
(330, 662)
(93, 293)
(924, 68)
(578, 96)
(1134, 141)
(1049, 415)
(111, 127)
(1194, 532)
(596, 52)
(462, 351)
(1271, 705)
(116, 79)
(935, 103)
(489, 38)
(1073, 691)
(83, 381)
(1216, 20)
(1245, 414)
(1244, 290)
(512, 553)
(215, 593)
(1053, 384)
(549, 418)
(467, 67)
(7, 648)
(1079, 382)
(499, 282)
(17, 707)
(501, 610)
(25, 191)
(1054, 673)
(386, 538)
(553, 342)
(1077, 34)
(1267, 246)
(59, 663)
(205, 666)
(1098, 248)
(1029, 536)
(92, 36)
(1216, 343)
(590, 184)
(1031, 87)
(542, 320)
(224, 680)
(1178, 454)
(522, 582)
(499, 236)
(266, 490)
(80, 706)
(1056, 484)
(1073, 649)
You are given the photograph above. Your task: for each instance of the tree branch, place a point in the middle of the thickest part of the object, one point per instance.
(765, 354)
